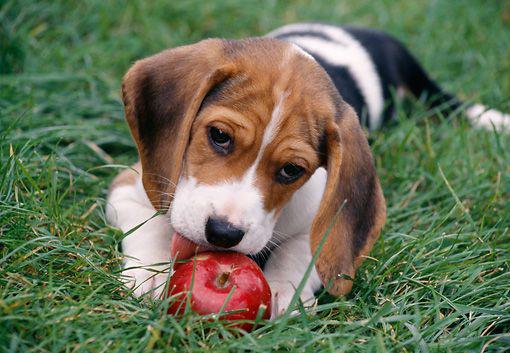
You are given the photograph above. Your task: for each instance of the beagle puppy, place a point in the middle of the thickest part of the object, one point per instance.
(256, 146)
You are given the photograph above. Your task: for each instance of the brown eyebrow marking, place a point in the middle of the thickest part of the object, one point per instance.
(220, 92)
(216, 93)
(226, 115)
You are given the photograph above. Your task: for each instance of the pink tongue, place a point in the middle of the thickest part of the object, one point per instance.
(182, 248)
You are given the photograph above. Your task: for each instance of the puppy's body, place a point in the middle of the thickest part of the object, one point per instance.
(278, 108)
(371, 69)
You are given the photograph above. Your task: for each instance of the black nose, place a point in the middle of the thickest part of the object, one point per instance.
(222, 233)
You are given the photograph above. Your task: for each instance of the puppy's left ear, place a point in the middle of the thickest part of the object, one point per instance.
(352, 209)
(162, 95)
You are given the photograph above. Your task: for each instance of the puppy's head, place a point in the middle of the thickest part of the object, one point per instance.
(227, 131)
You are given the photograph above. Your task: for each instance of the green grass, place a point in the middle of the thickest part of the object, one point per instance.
(438, 279)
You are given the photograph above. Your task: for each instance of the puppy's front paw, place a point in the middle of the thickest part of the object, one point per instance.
(282, 295)
(145, 280)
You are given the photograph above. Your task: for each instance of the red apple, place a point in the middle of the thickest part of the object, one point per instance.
(215, 275)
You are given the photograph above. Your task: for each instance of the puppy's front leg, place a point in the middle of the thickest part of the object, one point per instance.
(284, 271)
(147, 249)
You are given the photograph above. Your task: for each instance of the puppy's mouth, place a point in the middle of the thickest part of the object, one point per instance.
(182, 248)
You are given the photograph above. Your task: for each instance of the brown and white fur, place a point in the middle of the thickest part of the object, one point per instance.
(279, 106)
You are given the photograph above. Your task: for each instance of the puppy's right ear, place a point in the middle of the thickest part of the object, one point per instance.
(162, 95)
(352, 211)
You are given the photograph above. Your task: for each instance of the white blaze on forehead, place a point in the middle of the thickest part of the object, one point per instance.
(270, 132)
(274, 124)
(341, 49)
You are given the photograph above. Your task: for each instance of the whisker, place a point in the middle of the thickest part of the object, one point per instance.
(284, 235)
(168, 181)
(272, 242)
(161, 192)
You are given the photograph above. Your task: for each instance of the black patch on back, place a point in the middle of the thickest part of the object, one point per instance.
(395, 66)
(346, 85)
(383, 51)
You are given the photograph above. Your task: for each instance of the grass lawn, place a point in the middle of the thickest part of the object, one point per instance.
(438, 279)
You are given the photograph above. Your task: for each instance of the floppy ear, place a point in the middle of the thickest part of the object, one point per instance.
(162, 95)
(352, 206)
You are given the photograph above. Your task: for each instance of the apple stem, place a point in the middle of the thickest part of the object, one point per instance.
(223, 278)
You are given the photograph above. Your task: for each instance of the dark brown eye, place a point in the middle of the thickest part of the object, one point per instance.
(289, 173)
(220, 140)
